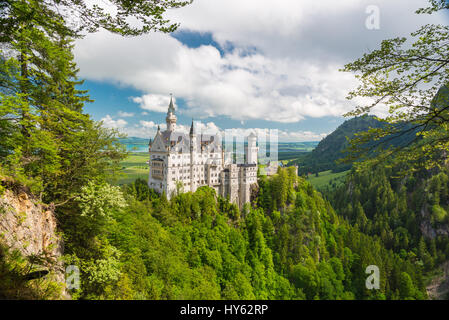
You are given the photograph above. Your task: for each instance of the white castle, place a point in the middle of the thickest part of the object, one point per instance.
(187, 162)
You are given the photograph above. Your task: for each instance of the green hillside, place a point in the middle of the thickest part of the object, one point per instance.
(289, 245)
(327, 179)
(332, 147)
(133, 167)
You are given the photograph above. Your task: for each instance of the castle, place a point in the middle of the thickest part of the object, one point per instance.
(181, 162)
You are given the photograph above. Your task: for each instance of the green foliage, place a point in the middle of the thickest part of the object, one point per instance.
(323, 254)
(333, 148)
(406, 287)
(96, 200)
(14, 284)
(47, 142)
(439, 215)
(404, 213)
(149, 15)
(130, 243)
(199, 246)
(411, 77)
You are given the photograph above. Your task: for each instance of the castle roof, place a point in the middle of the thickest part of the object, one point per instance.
(180, 141)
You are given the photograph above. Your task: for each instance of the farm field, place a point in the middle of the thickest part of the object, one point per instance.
(133, 167)
(326, 178)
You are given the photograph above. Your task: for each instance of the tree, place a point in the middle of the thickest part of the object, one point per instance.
(47, 142)
(411, 78)
(80, 16)
(406, 288)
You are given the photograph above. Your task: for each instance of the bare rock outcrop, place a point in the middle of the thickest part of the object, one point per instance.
(31, 227)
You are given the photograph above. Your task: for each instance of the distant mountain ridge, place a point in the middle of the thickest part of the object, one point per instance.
(288, 150)
(332, 147)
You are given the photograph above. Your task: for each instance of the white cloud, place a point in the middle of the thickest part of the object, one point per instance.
(284, 66)
(154, 102)
(148, 124)
(147, 129)
(300, 136)
(302, 29)
(108, 122)
(124, 114)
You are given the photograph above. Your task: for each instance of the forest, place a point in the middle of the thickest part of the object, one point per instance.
(290, 242)
(131, 243)
(334, 146)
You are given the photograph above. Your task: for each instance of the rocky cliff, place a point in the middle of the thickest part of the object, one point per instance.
(30, 227)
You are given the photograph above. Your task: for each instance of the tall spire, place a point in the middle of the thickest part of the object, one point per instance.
(192, 130)
(193, 141)
(171, 117)
(171, 108)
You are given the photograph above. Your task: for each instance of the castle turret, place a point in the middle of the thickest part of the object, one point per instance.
(251, 149)
(193, 156)
(192, 135)
(171, 117)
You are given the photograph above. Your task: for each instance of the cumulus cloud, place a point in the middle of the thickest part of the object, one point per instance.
(147, 129)
(148, 124)
(108, 122)
(283, 66)
(235, 85)
(154, 102)
(313, 30)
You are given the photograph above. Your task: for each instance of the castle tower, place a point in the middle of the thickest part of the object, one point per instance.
(251, 149)
(171, 117)
(193, 151)
(192, 136)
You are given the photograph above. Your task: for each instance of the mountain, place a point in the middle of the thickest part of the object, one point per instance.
(332, 147)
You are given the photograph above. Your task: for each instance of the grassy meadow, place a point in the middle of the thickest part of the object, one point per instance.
(133, 167)
(327, 179)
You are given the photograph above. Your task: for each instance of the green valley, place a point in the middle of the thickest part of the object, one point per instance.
(327, 179)
(103, 200)
(134, 166)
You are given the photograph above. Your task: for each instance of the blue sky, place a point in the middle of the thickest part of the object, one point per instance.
(257, 64)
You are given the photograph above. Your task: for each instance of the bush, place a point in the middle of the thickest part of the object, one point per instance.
(439, 215)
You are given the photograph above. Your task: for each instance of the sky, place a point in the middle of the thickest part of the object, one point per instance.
(240, 65)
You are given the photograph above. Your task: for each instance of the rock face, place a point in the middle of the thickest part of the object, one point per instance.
(427, 229)
(438, 289)
(31, 227)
